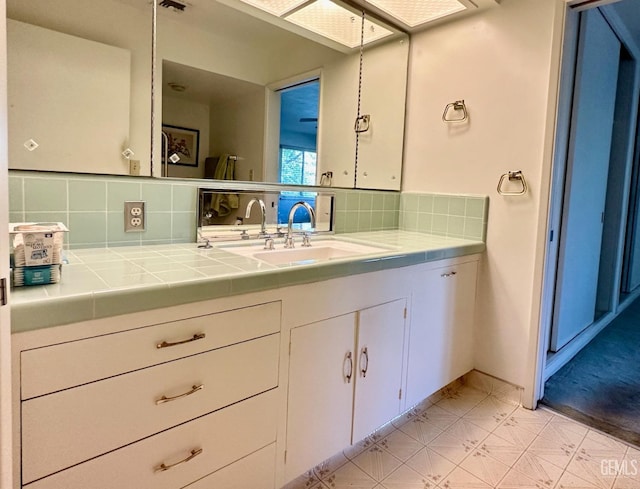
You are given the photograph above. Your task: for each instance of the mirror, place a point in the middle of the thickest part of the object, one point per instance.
(79, 85)
(222, 215)
(277, 106)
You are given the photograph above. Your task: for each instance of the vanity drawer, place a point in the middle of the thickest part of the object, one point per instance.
(53, 368)
(256, 471)
(71, 426)
(224, 437)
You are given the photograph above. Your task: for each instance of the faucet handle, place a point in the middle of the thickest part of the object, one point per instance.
(288, 242)
(306, 242)
(268, 244)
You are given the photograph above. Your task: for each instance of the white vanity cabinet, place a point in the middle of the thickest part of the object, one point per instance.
(345, 378)
(442, 317)
(191, 397)
(241, 392)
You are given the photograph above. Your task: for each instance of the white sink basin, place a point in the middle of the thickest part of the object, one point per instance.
(319, 251)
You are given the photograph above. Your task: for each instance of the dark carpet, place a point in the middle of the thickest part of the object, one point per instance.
(600, 386)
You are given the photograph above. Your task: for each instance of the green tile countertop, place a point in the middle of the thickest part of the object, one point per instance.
(104, 282)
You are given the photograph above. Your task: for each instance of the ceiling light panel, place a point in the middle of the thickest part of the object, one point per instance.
(276, 7)
(336, 23)
(418, 12)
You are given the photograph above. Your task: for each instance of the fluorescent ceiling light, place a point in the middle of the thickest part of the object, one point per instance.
(336, 23)
(276, 7)
(418, 12)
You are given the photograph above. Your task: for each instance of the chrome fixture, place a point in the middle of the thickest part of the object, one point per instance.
(263, 215)
(306, 242)
(288, 243)
(458, 105)
(269, 244)
(512, 176)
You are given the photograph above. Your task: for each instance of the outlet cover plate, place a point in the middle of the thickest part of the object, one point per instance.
(134, 216)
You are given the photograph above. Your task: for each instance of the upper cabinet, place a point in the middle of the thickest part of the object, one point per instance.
(79, 85)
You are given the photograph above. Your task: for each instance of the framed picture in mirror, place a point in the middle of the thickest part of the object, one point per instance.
(181, 145)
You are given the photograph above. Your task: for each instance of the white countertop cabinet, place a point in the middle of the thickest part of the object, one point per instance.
(217, 393)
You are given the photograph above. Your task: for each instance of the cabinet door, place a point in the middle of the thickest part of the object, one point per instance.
(379, 366)
(321, 379)
(441, 335)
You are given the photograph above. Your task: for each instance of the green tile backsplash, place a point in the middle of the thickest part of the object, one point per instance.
(92, 207)
(456, 216)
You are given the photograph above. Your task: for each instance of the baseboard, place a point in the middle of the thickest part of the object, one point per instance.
(499, 388)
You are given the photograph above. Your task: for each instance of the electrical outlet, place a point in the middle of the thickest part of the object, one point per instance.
(134, 217)
(134, 167)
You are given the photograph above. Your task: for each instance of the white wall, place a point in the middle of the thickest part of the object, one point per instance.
(501, 62)
(237, 128)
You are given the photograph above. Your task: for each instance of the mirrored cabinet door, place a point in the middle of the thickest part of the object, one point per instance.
(79, 85)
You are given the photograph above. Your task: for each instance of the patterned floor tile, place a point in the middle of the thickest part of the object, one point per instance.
(461, 479)
(467, 431)
(329, 466)
(400, 445)
(451, 447)
(559, 454)
(517, 480)
(351, 476)
(407, 478)
(461, 401)
(439, 417)
(507, 393)
(420, 429)
(490, 413)
(357, 448)
(515, 434)
(589, 466)
(533, 421)
(485, 467)
(470, 441)
(538, 469)
(502, 450)
(571, 481)
(597, 442)
(625, 483)
(431, 465)
(377, 462)
(564, 432)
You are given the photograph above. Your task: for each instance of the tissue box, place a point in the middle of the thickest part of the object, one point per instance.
(37, 244)
(46, 274)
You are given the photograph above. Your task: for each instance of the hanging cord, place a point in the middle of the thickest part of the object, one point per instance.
(355, 170)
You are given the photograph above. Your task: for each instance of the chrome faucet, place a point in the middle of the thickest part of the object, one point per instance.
(263, 211)
(288, 243)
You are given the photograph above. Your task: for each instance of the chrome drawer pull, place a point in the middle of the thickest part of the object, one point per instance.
(165, 344)
(348, 375)
(450, 274)
(193, 390)
(364, 353)
(194, 453)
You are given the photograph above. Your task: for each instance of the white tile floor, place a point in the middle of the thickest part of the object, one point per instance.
(469, 439)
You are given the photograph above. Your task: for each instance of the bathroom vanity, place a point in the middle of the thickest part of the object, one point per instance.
(248, 389)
